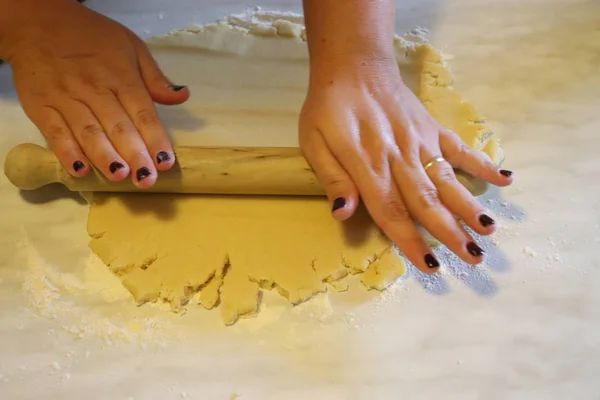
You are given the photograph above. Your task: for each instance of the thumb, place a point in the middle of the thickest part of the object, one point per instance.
(161, 89)
(340, 190)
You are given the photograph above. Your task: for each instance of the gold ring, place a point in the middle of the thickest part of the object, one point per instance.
(433, 162)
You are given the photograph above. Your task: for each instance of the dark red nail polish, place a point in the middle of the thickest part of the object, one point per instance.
(78, 165)
(338, 203)
(142, 173)
(506, 173)
(475, 250)
(177, 88)
(431, 261)
(162, 156)
(486, 220)
(115, 166)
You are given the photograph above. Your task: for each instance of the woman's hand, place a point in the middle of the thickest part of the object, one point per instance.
(365, 133)
(89, 84)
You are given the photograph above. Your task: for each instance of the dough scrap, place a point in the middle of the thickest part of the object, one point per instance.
(223, 251)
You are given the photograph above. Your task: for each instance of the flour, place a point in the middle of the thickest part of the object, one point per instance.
(72, 301)
(529, 252)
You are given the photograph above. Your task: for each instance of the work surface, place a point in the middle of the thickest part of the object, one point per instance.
(525, 325)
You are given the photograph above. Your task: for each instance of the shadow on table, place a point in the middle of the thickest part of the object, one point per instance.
(162, 206)
(7, 89)
(476, 277)
(50, 193)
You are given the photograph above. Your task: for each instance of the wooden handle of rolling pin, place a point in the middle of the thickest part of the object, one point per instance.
(204, 170)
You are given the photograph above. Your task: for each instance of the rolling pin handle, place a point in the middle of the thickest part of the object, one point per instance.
(30, 166)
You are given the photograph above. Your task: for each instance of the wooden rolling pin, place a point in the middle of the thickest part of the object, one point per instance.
(202, 170)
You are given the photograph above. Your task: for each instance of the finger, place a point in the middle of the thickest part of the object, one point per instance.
(161, 89)
(93, 141)
(458, 200)
(139, 106)
(370, 171)
(125, 138)
(423, 203)
(386, 206)
(61, 140)
(474, 162)
(340, 190)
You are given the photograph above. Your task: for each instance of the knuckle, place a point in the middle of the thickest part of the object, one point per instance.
(446, 175)
(333, 180)
(83, 86)
(127, 85)
(380, 167)
(100, 89)
(146, 118)
(120, 129)
(427, 197)
(461, 151)
(461, 148)
(91, 131)
(38, 94)
(456, 149)
(375, 154)
(66, 154)
(55, 133)
(395, 210)
(486, 161)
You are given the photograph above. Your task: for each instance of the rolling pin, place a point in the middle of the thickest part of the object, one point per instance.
(201, 170)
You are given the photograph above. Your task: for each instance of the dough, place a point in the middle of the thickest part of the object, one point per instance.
(179, 248)
(250, 72)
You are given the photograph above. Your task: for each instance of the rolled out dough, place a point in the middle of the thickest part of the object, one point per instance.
(248, 75)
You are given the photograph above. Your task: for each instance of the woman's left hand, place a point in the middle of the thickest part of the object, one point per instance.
(366, 134)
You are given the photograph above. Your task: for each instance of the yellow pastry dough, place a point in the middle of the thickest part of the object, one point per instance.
(182, 248)
(223, 251)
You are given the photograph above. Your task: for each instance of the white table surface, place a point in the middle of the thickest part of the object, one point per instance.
(525, 325)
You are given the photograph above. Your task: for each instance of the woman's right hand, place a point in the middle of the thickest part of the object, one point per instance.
(89, 84)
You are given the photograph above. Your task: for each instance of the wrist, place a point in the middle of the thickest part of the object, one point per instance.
(21, 19)
(369, 66)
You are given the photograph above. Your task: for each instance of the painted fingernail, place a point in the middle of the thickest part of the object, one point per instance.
(115, 166)
(475, 250)
(78, 165)
(506, 173)
(177, 88)
(338, 203)
(431, 261)
(142, 173)
(486, 220)
(162, 156)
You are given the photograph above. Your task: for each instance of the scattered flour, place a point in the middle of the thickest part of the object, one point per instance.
(76, 302)
(530, 252)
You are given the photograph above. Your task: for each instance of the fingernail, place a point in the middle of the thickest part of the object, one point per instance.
(115, 166)
(142, 173)
(162, 156)
(177, 88)
(506, 173)
(338, 203)
(475, 250)
(77, 165)
(486, 220)
(431, 261)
